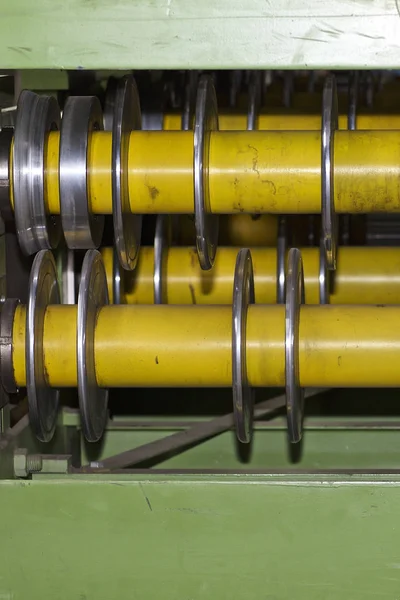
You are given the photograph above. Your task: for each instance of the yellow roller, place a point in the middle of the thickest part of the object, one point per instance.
(288, 121)
(363, 276)
(179, 346)
(249, 172)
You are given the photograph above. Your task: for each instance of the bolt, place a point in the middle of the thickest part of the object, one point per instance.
(34, 463)
(20, 455)
(25, 463)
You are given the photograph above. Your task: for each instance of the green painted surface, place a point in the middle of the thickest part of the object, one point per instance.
(254, 538)
(125, 34)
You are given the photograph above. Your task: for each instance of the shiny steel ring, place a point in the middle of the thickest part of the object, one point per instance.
(8, 309)
(353, 96)
(254, 100)
(109, 103)
(82, 115)
(152, 121)
(329, 125)
(116, 278)
(93, 294)
(234, 88)
(206, 120)
(294, 297)
(36, 116)
(161, 241)
(127, 226)
(323, 278)
(43, 401)
(243, 394)
(190, 95)
(6, 141)
(65, 261)
(281, 259)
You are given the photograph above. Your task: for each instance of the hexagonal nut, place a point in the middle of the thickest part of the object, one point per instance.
(20, 462)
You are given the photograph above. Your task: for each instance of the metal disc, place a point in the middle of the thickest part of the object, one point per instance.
(353, 101)
(328, 214)
(22, 184)
(67, 276)
(234, 86)
(294, 297)
(161, 241)
(152, 121)
(254, 100)
(43, 400)
(323, 278)
(6, 140)
(127, 226)
(206, 120)
(281, 259)
(8, 308)
(36, 116)
(109, 103)
(243, 394)
(116, 278)
(46, 228)
(189, 100)
(82, 115)
(93, 294)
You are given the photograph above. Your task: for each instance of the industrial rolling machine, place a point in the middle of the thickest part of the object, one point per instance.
(199, 332)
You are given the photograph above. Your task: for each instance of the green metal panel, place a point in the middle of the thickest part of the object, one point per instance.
(192, 538)
(124, 34)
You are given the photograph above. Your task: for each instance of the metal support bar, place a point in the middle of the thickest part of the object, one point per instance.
(180, 441)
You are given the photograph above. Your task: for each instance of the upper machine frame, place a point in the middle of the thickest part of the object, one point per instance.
(188, 34)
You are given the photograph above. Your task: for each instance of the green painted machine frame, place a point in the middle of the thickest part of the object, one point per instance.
(188, 34)
(202, 524)
(197, 537)
(323, 523)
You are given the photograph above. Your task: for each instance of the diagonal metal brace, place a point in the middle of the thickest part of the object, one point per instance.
(178, 442)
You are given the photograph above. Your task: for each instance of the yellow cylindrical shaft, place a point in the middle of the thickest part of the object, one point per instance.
(250, 171)
(185, 346)
(288, 121)
(363, 276)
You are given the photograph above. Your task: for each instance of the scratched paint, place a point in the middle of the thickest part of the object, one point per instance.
(109, 34)
(227, 537)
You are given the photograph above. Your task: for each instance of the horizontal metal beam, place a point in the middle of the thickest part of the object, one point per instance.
(201, 537)
(104, 34)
